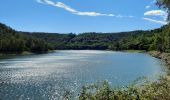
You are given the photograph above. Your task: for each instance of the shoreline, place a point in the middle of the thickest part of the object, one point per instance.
(161, 55)
(24, 53)
(13, 54)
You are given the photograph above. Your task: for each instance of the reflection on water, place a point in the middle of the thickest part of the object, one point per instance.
(49, 76)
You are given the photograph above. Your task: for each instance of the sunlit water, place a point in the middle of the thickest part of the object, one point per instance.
(49, 76)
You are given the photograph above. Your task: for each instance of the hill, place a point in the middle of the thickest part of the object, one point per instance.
(16, 41)
(12, 41)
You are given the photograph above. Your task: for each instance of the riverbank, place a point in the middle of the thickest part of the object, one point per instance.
(24, 53)
(163, 56)
(13, 54)
(134, 51)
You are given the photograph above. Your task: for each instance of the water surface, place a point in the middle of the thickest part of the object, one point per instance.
(49, 76)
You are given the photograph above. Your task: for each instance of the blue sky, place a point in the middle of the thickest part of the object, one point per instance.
(65, 16)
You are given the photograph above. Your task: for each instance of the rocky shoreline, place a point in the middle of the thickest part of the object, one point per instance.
(161, 55)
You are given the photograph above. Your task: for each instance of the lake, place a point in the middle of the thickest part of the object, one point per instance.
(48, 76)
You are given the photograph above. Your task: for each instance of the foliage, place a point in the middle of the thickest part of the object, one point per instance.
(12, 41)
(92, 41)
(158, 90)
(158, 40)
(55, 40)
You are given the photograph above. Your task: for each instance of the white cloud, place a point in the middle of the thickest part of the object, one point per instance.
(74, 11)
(147, 7)
(131, 16)
(155, 13)
(159, 13)
(155, 21)
(70, 9)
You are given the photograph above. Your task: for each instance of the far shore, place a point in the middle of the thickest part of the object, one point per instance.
(23, 53)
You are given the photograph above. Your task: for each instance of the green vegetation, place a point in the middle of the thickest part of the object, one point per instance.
(154, 40)
(157, 40)
(12, 41)
(95, 41)
(148, 91)
(54, 40)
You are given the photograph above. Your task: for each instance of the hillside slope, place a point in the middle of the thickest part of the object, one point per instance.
(15, 41)
(12, 41)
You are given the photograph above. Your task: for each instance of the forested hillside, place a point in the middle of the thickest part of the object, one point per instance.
(16, 42)
(12, 41)
(99, 41)
(158, 40)
(55, 40)
(93, 41)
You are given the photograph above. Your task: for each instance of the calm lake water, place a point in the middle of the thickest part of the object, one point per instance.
(48, 76)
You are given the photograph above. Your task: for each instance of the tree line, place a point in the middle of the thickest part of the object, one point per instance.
(12, 41)
(83, 41)
(157, 40)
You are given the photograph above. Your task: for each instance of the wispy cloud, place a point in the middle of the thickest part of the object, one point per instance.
(155, 21)
(147, 7)
(76, 12)
(159, 13)
(155, 13)
(88, 13)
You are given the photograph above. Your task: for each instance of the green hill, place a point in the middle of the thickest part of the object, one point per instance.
(12, 41)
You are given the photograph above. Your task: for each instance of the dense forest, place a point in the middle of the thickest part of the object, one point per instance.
(157, 39)
(94, 41)
(12, 41)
